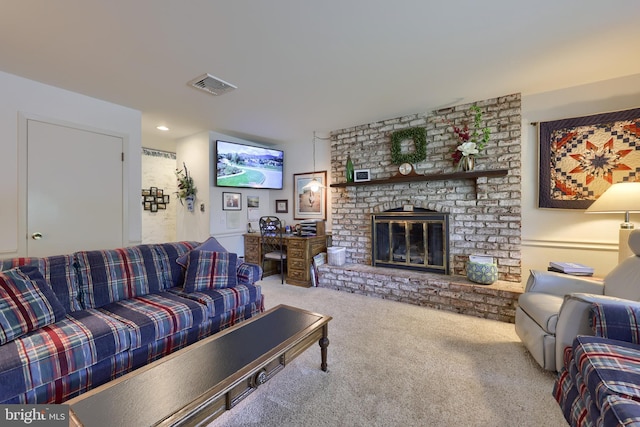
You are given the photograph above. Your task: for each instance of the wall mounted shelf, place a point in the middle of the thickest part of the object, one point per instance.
(427, 177)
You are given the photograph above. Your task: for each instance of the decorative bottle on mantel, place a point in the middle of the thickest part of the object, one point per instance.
(349, 168)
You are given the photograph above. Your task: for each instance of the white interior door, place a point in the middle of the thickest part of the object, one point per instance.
(74, 189)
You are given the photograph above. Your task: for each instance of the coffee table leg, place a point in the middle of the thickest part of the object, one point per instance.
(324, 343)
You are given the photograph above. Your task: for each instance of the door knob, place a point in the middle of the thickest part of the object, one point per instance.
(36, 236)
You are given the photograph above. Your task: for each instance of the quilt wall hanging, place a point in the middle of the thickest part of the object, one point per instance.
(581, 157)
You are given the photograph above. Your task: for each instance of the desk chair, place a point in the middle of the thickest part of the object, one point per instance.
(272, 242)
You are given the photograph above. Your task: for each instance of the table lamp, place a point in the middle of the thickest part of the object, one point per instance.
(620, 197)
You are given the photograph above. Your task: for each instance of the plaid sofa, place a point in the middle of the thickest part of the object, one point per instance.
(69, 323)
(600, 384)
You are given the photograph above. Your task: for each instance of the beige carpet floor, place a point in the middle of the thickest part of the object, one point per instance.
(395, 364)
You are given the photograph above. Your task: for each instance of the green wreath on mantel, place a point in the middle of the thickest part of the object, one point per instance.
(419, 137)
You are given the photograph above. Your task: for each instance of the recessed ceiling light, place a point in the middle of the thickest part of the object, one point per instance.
(163, 128)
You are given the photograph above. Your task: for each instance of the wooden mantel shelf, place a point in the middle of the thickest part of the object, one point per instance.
(427, 177)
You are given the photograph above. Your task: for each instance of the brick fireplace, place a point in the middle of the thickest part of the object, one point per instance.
(484, 211)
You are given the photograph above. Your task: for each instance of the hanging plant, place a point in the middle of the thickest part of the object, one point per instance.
(186, 187)
(419, 137)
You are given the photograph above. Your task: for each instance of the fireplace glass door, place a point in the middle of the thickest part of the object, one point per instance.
(411, 240)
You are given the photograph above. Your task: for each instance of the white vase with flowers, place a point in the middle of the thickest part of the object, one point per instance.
(471, 141)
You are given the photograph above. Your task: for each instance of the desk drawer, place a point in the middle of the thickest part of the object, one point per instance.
(293, 253)
(252, 248)
(295, 264)
(318, 246)
(296, 244)
(297, 274)
(252, 259)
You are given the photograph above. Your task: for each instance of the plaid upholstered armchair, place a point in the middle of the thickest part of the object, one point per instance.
(600, 383)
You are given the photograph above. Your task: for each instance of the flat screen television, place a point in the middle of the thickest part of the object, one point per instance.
(248, 166)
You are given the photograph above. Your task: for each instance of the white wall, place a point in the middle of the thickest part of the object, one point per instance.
(229, 226)
(194, 152)
(559, 234)
(27, 97)
(299, 159)
(158, 170)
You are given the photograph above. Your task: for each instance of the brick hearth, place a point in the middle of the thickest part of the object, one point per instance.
(484, 213)
(444, 292)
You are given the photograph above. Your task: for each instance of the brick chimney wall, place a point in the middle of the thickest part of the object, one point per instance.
(485, 213)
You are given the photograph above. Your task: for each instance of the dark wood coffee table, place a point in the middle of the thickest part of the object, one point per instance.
(198, 383)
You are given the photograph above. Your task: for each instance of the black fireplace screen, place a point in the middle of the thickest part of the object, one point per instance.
(411, 240)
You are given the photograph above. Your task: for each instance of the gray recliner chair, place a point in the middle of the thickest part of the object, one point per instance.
(555, 307)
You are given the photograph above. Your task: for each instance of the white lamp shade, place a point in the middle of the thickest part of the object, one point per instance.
(620, 197)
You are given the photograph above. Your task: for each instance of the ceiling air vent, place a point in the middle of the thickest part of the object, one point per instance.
(212, 84)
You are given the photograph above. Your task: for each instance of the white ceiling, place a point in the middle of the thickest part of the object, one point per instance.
(303, 65)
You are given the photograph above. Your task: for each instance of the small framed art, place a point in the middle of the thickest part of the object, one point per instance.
(231, 201)
(282, 206)
(361, 175)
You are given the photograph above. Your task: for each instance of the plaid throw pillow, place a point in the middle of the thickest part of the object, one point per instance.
(616, 321)
(27, 303)
(210, 270)
(211, 244)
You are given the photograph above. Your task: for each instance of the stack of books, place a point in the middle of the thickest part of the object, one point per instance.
(573, 268)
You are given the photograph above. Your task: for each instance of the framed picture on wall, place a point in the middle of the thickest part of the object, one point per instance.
(282, 206)
(309, 204)
(253, 201)
(231, 201)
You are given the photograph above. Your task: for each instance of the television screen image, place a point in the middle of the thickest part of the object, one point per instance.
(248, 166)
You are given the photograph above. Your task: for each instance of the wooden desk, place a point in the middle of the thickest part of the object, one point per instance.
(300, 253)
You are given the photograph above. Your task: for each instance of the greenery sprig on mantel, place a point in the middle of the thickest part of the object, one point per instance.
(470, 141)
(419, 137)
